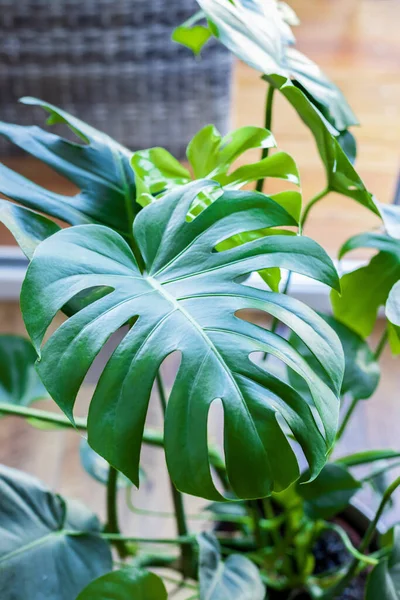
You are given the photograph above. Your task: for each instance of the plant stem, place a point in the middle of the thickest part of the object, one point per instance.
(267, 124)
(381, 345)
(348, 576)
(112, 525)
(258, 533)
(152, 437)
(187, 557)
(347, 417)
(310, 205)
(179, 541)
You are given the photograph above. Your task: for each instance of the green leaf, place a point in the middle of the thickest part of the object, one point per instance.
(279, 165)
(384, 580)
(19, 382)
(43, 553)
(209, 153)
(186, 301)
(369, 456)
(257, 32)
(361, 374)
(237, 578)
(291, 201)
(194, 37)
(156, 171)
(329, 493)
(360, 311)
(136, 584)
(341, 177)
(28, 227)
(348, 144)
(99, 166)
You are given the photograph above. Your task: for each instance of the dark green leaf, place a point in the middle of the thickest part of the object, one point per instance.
(341, 176)
(186, 301)
(384, 580)
(28, 227)
(360, 311)
(329, 493)
(361, 374)
(42, 552)
(19, 382)
(237, 579)
(99, 166)
(136, 584)
(348, 144)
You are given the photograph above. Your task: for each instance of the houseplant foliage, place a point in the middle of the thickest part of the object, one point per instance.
(171, 253)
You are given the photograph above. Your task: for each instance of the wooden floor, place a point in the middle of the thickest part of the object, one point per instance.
(357, 43)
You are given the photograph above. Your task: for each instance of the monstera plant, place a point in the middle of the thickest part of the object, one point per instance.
(191, 260)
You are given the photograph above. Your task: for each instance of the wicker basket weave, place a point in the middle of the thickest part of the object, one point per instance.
(112, 63)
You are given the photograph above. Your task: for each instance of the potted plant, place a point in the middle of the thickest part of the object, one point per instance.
(167, 252)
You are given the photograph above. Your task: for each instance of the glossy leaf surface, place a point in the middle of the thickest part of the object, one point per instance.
(187, 301)
(256, 31)
(237, 578)
(42, 553)
(384, 580)
(19, 382)
(28, 227)
(361, 374)
(136, 584)
(329, 493)
(98, 166)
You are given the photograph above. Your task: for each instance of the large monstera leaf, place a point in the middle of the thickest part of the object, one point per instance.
(187, 300)
(98, 166)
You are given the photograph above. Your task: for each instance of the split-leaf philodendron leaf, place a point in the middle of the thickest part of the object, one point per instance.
(187, 300)
(97, 165)
(256, 32)
(49, 548)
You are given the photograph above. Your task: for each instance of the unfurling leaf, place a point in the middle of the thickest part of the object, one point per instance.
(237, 578)
(188, 300)
(49, 548)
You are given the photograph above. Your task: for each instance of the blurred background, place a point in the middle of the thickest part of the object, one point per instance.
(112, 64)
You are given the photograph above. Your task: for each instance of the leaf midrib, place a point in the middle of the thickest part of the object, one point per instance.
(214, 349)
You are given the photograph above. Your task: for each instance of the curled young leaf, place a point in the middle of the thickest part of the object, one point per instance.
(188, 300)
